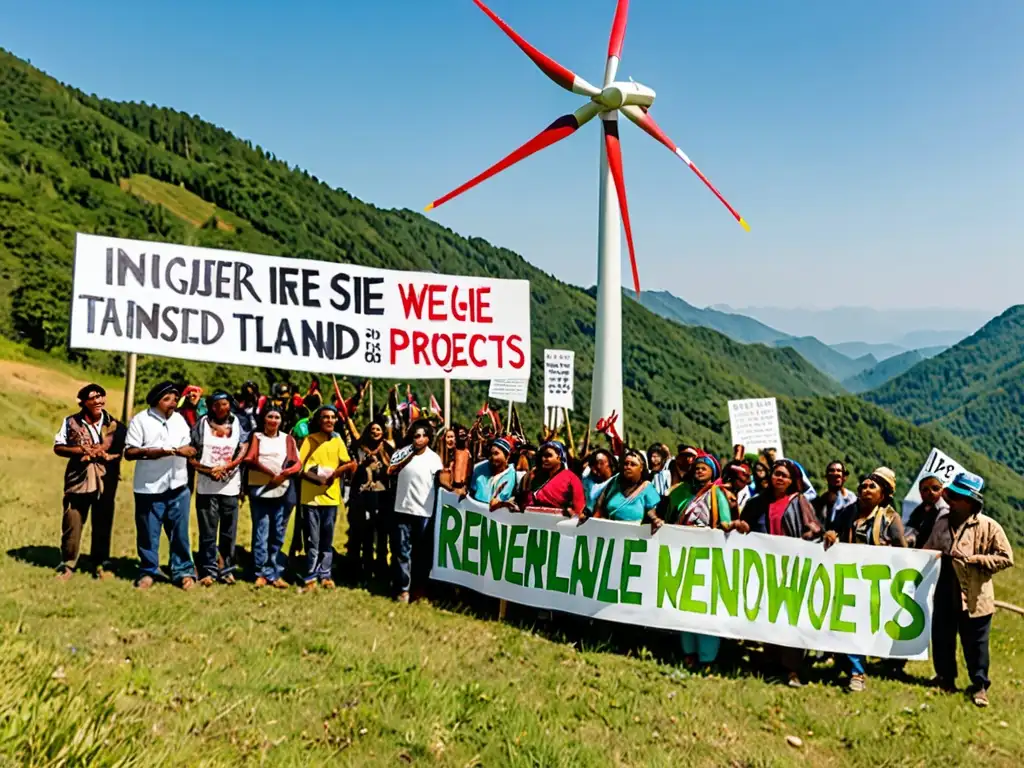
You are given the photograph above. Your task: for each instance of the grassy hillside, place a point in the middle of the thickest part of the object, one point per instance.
(975, 389)
(102, 675)
(63, 156)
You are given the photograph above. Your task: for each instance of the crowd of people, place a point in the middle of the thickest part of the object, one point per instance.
(293, 452)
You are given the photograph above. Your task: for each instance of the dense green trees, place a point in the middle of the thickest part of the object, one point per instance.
(63, 155)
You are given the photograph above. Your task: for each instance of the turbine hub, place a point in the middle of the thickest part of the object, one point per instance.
(621, 94)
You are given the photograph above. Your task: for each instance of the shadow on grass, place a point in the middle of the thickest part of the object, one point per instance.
(48, 557)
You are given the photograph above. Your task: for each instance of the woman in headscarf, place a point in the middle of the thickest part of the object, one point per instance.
(698, 501)
(871, 521)
(273, 460)
(371, 502)
(600, 468)
(551, 484)
(494, 481)
(630, 496)
(782, 510)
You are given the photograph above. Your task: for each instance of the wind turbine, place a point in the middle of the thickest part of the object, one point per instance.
(633, 100)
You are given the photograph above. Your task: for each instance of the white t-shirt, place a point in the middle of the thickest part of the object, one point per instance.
(415, 491)
(217, 451)
(150, 429)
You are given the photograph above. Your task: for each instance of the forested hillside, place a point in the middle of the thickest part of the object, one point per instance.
(975, 389)
(73, 162)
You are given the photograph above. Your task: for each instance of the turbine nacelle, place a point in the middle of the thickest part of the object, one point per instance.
(621, 94)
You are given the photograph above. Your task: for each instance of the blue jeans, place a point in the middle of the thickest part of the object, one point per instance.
(412, 550)
(856, 664)
(167, 511)
(318, 539)
(269, 523)
(704, 647)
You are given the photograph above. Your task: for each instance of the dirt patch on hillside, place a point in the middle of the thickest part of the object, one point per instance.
(47, 384)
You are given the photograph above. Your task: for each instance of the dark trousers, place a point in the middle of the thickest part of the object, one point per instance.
(368, 532)
(949, 620)
(413, 551)
(167, 511)
(218, 528)
(318, 539)
(77, 507)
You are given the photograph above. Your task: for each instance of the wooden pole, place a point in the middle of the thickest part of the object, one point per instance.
(568, 433)
(372, 413)
(508, 420)
(129, 387)
(447, 403)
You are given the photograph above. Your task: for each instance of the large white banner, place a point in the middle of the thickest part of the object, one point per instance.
(939, 465)
(850, 599)
(754, 423)
(232, 307)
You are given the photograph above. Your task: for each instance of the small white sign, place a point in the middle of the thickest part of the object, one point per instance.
(559, 368)
(754, 424)
(513, 390)
(938, 464)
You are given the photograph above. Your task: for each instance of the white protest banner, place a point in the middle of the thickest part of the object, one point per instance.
(297, 314)
(513, 390)
(938, 464)
(559, 365)
(754, 423)
(851, 598)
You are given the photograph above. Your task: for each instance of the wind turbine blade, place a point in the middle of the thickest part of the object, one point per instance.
(614, 151)
(618, 29)
(563, 127)
(564, 77)
(645, 121)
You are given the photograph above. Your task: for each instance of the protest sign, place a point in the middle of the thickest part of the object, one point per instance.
(850, 599)
(754, 424)
(296, 314)
(513, 390)
(938, 464)
(559, 365)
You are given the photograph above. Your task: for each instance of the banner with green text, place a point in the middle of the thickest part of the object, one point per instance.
(875, 601)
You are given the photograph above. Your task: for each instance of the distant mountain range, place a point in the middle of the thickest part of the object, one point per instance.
(974, 389)
(888, 369)
(901, 327)
(843, 362)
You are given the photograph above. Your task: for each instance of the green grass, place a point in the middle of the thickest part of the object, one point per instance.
(180, 202)
(232, 676)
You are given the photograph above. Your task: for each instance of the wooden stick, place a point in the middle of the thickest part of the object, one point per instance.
(1010, 607)
(568, 432)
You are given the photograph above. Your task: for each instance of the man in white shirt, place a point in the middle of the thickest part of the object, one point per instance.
(415, 494)
(836, 497)
(221, 441)
(159, 440)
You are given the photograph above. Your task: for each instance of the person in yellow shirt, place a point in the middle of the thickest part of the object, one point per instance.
(324, 459)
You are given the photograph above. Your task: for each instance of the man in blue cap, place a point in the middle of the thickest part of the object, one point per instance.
(977, 548)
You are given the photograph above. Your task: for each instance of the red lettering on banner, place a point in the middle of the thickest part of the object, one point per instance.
(444, 361)
(436, 309)
(475, 339)
(459, 350)
(399, 341)
(517, 350)
(412, 302)
(419, 347)
(499, 342)
(482, 305)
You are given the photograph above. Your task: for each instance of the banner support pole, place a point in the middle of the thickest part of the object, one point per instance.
(447, 402)
(129, 387)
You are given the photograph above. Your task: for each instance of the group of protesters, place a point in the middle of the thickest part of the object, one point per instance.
(294, 451)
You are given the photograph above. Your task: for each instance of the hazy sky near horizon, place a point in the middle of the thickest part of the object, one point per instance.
(874, 147)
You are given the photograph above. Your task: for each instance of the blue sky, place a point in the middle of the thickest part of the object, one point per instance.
(874, 146)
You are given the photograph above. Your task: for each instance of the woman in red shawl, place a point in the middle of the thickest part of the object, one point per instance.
(551, 484)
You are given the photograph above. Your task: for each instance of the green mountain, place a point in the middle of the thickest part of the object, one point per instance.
(975, 389)
(855, 349)
(888, 369)
(736, 327)
(74, 162)
(826, 359)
